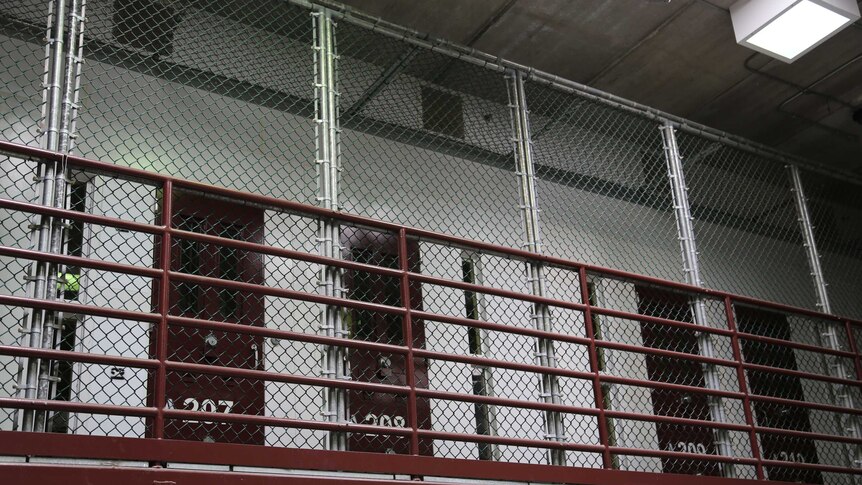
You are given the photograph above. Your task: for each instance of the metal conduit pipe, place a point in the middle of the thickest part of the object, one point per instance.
(38, 278)
(549, 386)
(691, 268)
(71, 80)
(841, 394)
(333, 360)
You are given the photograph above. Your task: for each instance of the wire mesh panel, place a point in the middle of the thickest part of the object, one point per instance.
(836, 209)
(793, 348)
(24, 26)
(218, 92)
(745, 223)
(602, 184)
(665, 325)
(426, 139)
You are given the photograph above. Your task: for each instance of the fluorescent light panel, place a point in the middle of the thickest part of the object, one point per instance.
(787, 29)
(797, 29)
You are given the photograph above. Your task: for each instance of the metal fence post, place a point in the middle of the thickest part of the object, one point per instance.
(68, 111)
(688, 247)
(849, 423)
(39, 274)
(541, 314)
(334, 361)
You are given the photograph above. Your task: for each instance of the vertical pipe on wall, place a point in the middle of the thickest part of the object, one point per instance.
(849, 424)
(334, 358)
(541, 315)
(38, 278)
(691, 267)
(68, 112)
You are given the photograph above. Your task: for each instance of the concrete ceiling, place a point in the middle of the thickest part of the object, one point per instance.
(679, 56)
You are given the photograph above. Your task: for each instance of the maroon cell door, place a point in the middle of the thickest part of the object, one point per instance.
(377, 408)
(771, 415)
(674, 437)
(201, 392)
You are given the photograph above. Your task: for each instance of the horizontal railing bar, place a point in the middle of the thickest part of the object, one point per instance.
(76, 308)
(668, 386)
(499, 327)
(284, 334)
(263, 375)
(283, 293)
(808, 435)
(805, 404)
(537, 369)
(123, 268)
(501, 440)
(76, 407)
(800, 374)
(619, 450)
(297, 207)
(502, 364)
(658, 418)
(531, 332)
(70, 356)
(16, 149)
(813, 466)
(282, 422)
(665, 353)
(505, 402)
(18, 443)
(436, 280)
(609, 312)
(795, 345)
(80, 216)
(282, 252)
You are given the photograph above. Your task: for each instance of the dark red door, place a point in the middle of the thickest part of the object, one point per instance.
(377, 408)
(200, 392)
(771, 415)
(675, 437)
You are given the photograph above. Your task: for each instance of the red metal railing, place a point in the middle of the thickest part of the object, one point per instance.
(155, 449)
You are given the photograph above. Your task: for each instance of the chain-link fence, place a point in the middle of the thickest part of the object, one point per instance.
(836, 208)
(286, 327)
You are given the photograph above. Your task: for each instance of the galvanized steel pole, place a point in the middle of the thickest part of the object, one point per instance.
(334, 359)
(71, 78)
(691, 267)
(542, 319)
(39, 278)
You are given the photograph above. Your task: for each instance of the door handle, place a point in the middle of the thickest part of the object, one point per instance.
(256, 352)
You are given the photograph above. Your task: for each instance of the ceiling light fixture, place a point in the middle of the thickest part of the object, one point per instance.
(787, 29)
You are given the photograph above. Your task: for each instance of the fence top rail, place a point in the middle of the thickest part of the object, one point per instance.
(496, 63)
(75, 161)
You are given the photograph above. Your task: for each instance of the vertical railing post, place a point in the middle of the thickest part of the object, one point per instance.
(691, 267)
(412, 407)
(743, 387)
(549, 385)
(829, 335)
(598, 392)
(333, 362)
(164, 301)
